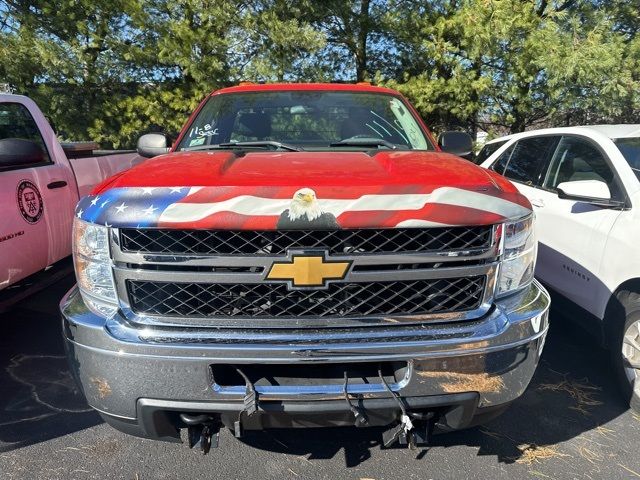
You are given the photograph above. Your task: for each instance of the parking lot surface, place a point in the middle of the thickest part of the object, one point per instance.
(569, 424)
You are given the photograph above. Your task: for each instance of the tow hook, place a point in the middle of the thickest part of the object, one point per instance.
(250, 403)
(203, 431)
(415, 429)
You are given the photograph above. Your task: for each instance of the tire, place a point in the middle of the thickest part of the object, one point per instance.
(625, 346)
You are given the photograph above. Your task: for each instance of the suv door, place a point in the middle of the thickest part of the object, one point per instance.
(37, 194)
(572, 235)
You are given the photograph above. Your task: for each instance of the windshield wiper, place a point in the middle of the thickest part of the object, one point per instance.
(256, 144)
(265, 143)
(364, 142)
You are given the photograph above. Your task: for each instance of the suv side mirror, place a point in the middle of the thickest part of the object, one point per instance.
(457, 143)
(17, 152)
(152, 145)
(594, 192)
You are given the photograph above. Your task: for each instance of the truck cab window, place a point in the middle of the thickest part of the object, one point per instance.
(576, 159)
(16, 123)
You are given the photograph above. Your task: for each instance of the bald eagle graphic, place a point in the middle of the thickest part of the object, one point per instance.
(304, 212)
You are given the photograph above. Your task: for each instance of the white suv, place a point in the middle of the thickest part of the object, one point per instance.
(584, 185)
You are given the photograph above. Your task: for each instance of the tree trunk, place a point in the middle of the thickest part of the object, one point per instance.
(361, 42)
(520, 109)
(518, 125)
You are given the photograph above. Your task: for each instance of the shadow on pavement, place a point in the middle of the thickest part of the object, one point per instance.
(38, 399)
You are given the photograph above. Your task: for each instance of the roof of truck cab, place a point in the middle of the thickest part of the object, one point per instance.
(623, 130)
(271, 87)
(11, 97)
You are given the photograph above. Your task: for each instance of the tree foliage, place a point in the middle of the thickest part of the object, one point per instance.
(113, 69)
(514, 64)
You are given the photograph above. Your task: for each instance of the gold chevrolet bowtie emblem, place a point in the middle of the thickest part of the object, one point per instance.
(308, 271)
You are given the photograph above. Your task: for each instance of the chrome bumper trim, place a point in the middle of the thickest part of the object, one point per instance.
(495, 355)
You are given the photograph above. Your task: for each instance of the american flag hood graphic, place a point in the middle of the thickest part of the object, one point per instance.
(300, 191)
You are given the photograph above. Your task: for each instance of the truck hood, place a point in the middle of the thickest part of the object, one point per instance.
(269, 190)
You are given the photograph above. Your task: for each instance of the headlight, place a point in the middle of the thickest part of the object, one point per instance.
(93, 267)
(519, 256)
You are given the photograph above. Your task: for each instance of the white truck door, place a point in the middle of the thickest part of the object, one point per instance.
(573, 235)
(37, 192)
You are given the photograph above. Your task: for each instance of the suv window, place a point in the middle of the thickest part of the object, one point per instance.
(630, 149)
(488, 150)
(577, 159)
(17, 123)
(528, 155)
(501, 162)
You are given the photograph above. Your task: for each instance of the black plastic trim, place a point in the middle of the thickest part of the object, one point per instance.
(157, 418)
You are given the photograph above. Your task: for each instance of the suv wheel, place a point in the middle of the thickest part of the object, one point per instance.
(625, 348)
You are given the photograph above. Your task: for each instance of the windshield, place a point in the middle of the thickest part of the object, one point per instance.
(306, 119)
(630, 149)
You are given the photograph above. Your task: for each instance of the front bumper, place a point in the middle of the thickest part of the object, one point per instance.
(140, 379)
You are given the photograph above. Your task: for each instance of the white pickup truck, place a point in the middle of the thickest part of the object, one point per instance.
(41, 181)
(584, 185)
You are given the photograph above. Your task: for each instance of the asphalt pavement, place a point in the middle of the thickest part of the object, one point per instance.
(570, 424)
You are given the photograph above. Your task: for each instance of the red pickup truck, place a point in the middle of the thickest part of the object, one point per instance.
(303, 255)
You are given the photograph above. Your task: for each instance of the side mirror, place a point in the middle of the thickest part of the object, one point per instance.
(152, 145)
(16, 152)
(457, 143)
(594, 192)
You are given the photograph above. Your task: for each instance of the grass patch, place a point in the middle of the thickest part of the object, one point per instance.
(532, 453)
(581, 391)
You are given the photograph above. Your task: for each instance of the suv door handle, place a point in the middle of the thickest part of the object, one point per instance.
(537, 202)
(57, 184)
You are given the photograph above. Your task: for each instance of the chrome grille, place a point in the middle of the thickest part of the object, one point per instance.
(353, 242)
(218, 278)
(340, 300)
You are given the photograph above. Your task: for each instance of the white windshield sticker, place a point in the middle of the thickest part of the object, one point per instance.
(408, 124)
(206, 131)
